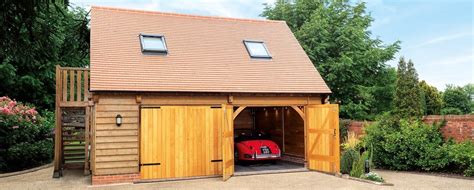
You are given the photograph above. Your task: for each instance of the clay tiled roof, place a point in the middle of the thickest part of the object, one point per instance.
(205, 54)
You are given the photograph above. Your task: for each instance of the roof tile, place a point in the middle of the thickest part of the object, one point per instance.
(205, 54)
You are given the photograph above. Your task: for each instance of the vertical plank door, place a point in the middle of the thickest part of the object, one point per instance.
(151, 135)
(180, 141)
(322, 128)
(228, 143)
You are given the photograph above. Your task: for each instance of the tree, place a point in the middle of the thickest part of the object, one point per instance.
(384, 91)
(376, 99)
(469, 88)
(432, 101)
(408, 95)
(456, 100)
(35, 36)
(336, 38)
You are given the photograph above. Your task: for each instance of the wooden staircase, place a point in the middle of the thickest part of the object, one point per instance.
(73, 137)
(72, 130)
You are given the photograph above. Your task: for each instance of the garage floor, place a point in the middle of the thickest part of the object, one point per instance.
(267, 168)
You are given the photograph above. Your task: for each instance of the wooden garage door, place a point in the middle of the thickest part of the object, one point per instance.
(323, 137)
(180, 141)
(228, 143)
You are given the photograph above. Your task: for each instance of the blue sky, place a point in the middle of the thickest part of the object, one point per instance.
(437, 35)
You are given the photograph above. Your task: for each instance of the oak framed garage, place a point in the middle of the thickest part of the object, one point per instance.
(170, 114)
(211, 123)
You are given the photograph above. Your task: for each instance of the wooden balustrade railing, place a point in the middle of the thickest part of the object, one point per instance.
(74, 86)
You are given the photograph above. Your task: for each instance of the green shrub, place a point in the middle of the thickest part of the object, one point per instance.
(451, 111)
(359, 165)
(407, 145)
(402, 145)
(470, 171)
(375, 135)
(25, 136)
(28, 154)
(462, 157)
(347, 160)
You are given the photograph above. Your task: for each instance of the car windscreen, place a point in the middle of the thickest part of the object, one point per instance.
(252, 136)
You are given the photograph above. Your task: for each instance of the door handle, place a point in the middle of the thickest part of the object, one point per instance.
(334, 132)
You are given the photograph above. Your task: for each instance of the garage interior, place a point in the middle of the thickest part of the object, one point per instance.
(285, 127)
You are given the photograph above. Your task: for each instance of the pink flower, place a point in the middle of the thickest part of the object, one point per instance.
(12, 104)
(4, 98)
(15, 127)
(6, 111)
(31, 111)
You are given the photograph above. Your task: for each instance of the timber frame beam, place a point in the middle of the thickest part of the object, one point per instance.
(296, 108)
(299, 111)
(237, 112)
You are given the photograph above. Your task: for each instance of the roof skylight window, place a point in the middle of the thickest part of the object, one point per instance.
(153, 43)
(257, 49)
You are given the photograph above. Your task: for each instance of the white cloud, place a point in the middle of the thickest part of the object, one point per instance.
(444, 38)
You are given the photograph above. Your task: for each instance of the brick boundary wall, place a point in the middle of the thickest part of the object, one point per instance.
(113, 179)
(458, 127)
(357, 127)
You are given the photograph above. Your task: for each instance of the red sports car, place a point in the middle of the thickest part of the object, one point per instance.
(255, 146)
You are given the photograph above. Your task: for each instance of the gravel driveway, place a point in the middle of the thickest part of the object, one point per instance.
(302, 180)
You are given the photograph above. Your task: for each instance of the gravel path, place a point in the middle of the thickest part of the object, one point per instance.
(302, 180)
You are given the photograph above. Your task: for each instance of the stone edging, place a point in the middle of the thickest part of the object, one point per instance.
(25, 171)
(345, 176)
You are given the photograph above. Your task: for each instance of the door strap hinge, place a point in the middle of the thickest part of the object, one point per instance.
(150, 164)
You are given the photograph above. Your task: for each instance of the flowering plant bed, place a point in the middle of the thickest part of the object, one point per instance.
(25, 136)
(383, 183)
(11, 109)
(372, 176)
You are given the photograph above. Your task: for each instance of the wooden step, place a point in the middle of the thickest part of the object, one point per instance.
(74, 147)
(68, 135)
(74, 143)
(74, 161)
(81, 125)
(74, 152)
(82, 147)
(81, 115)
(73, 130)
(75, 139)
(80, 157)
(78, 129)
